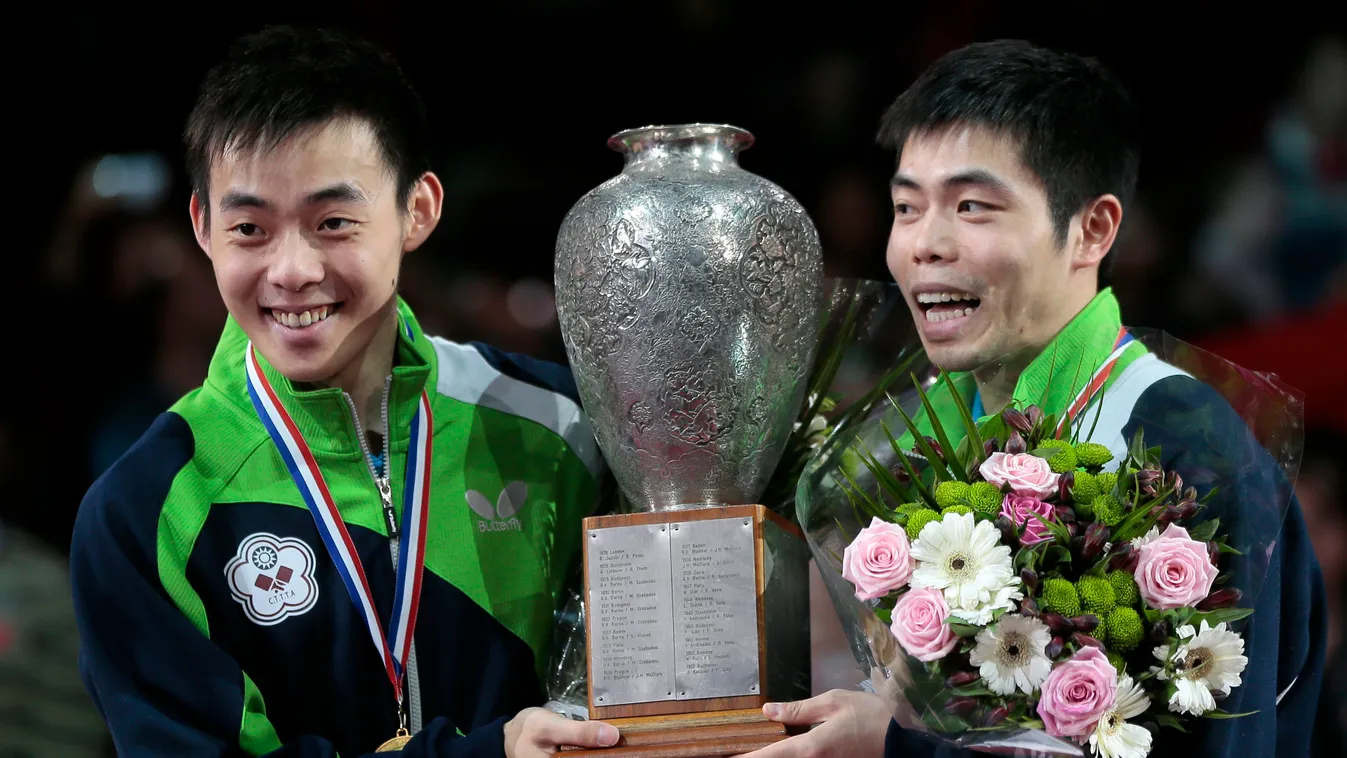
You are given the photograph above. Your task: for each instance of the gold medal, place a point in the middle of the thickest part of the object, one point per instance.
(397, 743)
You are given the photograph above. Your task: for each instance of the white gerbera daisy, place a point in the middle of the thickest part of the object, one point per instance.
(964, 559)
(1114, 737)
(1146, 539)
(1011, 654)
(1209, 661)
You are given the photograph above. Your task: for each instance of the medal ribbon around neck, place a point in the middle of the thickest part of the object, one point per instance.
(1097, 381)
(416, 501)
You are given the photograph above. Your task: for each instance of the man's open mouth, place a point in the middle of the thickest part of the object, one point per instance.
(946, 306)
(302, 319)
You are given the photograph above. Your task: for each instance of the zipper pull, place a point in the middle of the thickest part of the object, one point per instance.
(386, 498)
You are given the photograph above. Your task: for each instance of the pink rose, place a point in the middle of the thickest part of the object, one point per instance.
(1018, 507)
(919, 624)
(1078, 693)
(1026, 474)
(877, 561)
(1174, 570)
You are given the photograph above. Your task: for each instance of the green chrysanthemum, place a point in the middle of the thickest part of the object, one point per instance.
(1107, 482)
(951, 493)
(1064, 459)
(1107, 510)
(919, 519)
(1101, 631)
(1118, 663)
(1125, 592)
(1084, 491)
(1059, 596)
(1124, 629)
(955, 509)
(1092, 454)
(1096, 595)
(985, 498)
(907, 509)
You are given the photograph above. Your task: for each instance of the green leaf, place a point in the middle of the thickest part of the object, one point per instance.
(1230, 550)
(1207, 497)
(1059, 553)
(1154, 616)
(1205, 531)
(951, 454)
(936, 462)
(966, 415)
(1219, 714)
(1137, 450)
(906, 463)
(962, 629)
(1171, 721)
(1221, 615)
(1058, 531)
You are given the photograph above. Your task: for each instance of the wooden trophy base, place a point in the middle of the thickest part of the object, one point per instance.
(715, 734)
(694, 620)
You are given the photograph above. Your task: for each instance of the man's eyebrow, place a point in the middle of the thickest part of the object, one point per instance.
(973, 177)
(341, 192)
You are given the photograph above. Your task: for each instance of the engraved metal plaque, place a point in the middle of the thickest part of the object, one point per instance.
(632, 645)
(715, 608)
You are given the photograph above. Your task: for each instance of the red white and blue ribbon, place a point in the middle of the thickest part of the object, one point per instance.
(1097, 381)
(299, 459)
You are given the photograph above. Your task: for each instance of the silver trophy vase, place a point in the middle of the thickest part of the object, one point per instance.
(689, 293)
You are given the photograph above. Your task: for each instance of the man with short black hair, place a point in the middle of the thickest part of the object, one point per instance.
(1014, 165)
(354, 535)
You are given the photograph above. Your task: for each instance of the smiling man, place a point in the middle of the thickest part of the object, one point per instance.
(294, 559)
(1014, 166)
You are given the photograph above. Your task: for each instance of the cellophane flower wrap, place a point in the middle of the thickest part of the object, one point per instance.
(864, 349)
(1025, 582)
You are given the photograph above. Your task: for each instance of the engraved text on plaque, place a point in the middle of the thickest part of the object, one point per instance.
(673, 611)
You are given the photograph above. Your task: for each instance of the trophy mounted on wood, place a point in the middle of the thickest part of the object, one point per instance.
(689, 293)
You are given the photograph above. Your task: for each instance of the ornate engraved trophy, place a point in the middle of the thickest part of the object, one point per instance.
(689, 293)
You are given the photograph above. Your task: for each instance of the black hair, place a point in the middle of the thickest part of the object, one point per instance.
(282, 80)
(1074, 121)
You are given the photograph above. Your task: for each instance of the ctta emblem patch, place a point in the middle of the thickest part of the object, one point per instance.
(272, 578)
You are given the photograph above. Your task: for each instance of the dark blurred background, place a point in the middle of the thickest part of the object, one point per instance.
(1237, 240)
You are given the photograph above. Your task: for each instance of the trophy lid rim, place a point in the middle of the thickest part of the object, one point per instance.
(734, 138)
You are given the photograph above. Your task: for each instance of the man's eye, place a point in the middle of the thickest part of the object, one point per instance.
(247, 230)
(972, 206)
(335, 224)
(902, 209)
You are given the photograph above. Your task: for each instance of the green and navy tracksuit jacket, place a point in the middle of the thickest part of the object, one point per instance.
(183, 658)
(1202, 438)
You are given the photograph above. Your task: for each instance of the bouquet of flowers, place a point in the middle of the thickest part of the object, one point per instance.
(1043, 592)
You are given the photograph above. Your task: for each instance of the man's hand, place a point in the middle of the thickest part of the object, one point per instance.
(849, 723)
(538, 732)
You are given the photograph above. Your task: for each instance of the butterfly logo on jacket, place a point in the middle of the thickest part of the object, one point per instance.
(501, 516)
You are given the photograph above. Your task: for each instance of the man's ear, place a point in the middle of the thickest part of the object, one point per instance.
(200, 222)
(1099, 224)
(426, 202)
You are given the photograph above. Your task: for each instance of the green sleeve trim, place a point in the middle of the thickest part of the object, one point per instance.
(256, 734)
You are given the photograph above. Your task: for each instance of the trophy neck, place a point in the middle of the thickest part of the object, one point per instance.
(711, 145)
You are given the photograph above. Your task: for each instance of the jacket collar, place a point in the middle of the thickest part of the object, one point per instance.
(325, 416)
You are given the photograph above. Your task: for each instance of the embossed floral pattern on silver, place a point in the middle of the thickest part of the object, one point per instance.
(689, 292)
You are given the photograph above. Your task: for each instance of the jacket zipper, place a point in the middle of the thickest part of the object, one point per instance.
(412, 685)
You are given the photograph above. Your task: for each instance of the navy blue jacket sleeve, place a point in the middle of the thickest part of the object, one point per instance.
(163, 687)
(1208, 443)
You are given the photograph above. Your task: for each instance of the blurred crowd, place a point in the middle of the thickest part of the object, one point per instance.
(1261, 280)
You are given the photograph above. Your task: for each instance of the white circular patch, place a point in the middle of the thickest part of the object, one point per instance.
(272, 578)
